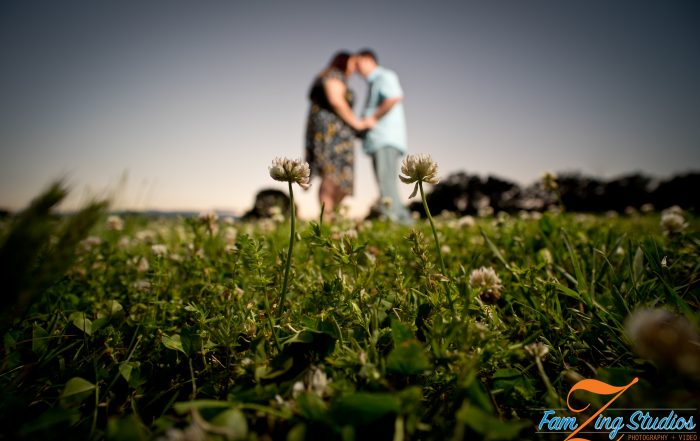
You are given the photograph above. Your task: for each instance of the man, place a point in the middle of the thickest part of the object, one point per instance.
(386, 141)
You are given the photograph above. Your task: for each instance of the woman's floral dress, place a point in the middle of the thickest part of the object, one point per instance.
(329, 140)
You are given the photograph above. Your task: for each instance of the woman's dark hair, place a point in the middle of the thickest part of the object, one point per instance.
(339, 61)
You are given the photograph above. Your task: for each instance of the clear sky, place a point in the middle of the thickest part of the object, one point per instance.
(183, 105)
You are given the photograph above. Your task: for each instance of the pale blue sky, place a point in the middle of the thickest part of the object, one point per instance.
(192, 100)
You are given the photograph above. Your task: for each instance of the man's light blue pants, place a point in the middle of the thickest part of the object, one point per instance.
(386, 170)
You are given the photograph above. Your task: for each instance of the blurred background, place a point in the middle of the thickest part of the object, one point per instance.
(182, 105)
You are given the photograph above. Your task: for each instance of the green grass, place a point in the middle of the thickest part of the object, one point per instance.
(369, 346)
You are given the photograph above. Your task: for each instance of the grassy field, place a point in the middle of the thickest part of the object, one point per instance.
(173, 329)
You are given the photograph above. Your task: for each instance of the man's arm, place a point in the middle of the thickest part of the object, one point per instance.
(386, 106)
(382, 110)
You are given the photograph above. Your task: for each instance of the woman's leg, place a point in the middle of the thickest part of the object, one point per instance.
(326, 195)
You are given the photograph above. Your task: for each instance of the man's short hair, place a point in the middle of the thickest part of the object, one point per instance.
(368, 53)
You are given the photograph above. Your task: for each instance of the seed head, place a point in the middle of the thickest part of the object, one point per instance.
(291, 170)
(418, 168)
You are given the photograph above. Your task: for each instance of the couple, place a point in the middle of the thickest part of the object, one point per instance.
(332, 128)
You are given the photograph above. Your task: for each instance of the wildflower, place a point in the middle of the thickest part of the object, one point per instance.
(386, 202)
(90, 243)
(466, 222)
(298, 388)
(445, 249)
(418, 168)
(142, 285)
(486, 282)
(647, 208)
(485, 211)
(115, 223)
(291, 170)
(672, 220)
(549, 181)
(665, 338)
(146, 236)
(124, 242)
(317, 381)
(230, 234)
(537, 350)
(673, 209)
(142, 265)
(209, 219)
(159, 250)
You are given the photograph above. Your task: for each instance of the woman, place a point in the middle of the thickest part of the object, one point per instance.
(331, 131)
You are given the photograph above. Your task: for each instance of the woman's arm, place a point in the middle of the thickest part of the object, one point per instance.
(335, 91)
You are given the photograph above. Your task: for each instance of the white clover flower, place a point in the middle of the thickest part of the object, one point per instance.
(90, 242)
(115, 223)
(486, 282)
(673, 209)
(386, 202)
(350, 233)
(124, 242)
(230, 235)
(142, 285)
(298, 388)
(146, 236)
(524, 214)
(537, 350)
(466, 222)
(291, 170)
(445, 249)
(418, 168)
(672, 220)
(208, 217)
(142, 265)
(665, 338)
(318, 381)
(485, 211)
(159, 250)
(484, 278)
(647, 208)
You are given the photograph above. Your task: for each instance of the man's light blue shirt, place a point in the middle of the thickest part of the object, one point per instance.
(390, 130)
